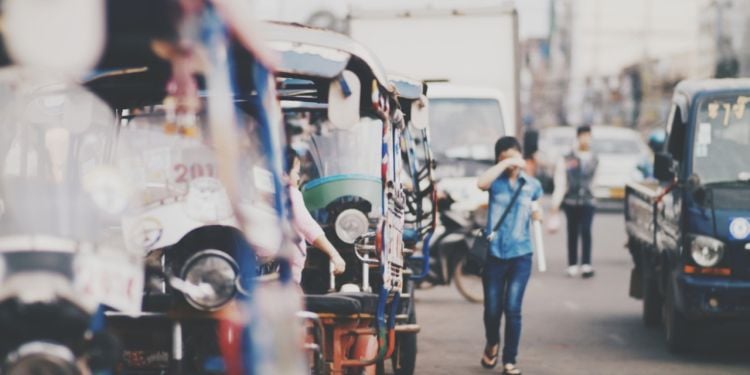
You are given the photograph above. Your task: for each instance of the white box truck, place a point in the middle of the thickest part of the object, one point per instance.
(471, 46)
(462, 42)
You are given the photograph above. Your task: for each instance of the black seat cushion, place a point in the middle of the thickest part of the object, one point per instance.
(334, 303)
(157, 302)
(369, 301)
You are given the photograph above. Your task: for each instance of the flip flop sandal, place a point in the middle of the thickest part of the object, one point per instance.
(489, 359)
(511, 369)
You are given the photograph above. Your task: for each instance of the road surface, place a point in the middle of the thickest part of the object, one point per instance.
(574, 326)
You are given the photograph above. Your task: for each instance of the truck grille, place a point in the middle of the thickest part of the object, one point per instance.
(739, 260)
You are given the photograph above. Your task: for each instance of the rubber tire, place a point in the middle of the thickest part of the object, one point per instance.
(458, 275)
(677, 333)
(652, 302)
(407, 350)
(379, 368)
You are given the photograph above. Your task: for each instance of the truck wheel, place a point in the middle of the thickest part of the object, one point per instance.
(676, 327)
(652, 302)
(468, 278)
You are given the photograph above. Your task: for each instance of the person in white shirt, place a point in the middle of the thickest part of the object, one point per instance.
(574, 174)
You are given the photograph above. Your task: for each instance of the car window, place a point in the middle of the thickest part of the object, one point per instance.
(618, 146)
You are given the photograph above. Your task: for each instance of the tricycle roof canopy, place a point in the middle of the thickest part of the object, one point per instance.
(408, 88)
(331, 52)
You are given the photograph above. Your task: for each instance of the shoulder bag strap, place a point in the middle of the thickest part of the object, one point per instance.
(507, 209)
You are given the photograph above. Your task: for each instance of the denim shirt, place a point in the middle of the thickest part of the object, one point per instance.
(513, 238)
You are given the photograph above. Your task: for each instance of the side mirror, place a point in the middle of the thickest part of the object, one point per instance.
(663, 163)
(343, 100)
(420, 115)
(699, 192)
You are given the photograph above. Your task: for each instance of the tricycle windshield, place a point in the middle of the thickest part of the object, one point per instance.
(61, 193)
(722, 139)
(464, 128)
(57, 181)
(354, 151)
(175, 173)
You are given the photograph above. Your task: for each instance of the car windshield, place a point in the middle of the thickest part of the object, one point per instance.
(558, 143)
(555, 141)
(616, 146)
(722, 139)
(465, 128)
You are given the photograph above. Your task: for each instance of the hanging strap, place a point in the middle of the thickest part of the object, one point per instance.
(491, 235)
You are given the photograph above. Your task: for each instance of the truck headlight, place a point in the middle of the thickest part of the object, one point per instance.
(209, 280)
(350, 224)
(706, 251)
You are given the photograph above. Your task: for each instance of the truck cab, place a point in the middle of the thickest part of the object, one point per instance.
(689, 231)
(465, 123)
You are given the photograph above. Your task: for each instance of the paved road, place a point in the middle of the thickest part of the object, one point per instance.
(573, 326)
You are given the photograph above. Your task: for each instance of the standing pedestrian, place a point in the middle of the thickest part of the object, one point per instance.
(508, 266)
(574, 175)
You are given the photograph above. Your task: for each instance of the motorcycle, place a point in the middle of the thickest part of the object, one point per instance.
(195, 110)
(449, 259)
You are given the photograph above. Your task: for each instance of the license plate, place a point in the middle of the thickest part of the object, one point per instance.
(617, 193)
(111, 280)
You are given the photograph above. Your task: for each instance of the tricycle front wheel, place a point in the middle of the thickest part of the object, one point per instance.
(405, 359)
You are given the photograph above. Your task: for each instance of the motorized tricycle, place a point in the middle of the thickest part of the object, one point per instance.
(62, 253)
(195, 108)
(346, 124)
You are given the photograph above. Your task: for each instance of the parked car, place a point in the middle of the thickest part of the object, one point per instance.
(623, 157)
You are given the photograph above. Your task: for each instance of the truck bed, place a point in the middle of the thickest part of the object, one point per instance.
(640, 208)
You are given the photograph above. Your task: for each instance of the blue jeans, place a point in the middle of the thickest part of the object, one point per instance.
(504, 283)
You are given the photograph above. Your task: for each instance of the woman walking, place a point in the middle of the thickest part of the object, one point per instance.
(508, 266)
